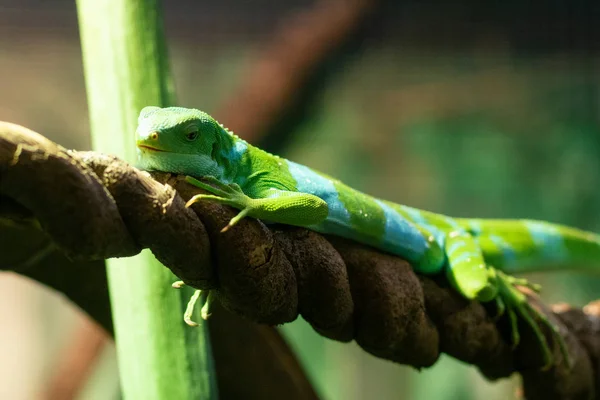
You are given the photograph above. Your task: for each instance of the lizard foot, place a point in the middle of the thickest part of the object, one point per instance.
(515, 304)
(205, 297)
(228, 194)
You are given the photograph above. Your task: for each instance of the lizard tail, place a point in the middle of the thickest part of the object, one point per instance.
(526, 245)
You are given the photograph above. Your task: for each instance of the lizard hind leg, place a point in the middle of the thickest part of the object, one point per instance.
(474, 279)
(516, 304)
(282, 206)
(466, 268)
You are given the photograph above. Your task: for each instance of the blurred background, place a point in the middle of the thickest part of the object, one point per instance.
(468, 108)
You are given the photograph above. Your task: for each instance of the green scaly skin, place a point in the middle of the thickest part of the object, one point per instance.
(475, 254)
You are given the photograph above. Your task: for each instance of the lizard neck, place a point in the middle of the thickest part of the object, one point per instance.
(228, 152)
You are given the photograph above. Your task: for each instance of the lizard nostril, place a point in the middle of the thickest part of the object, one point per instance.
(154, 135)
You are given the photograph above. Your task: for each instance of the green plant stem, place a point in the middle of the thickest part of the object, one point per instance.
(126, 68)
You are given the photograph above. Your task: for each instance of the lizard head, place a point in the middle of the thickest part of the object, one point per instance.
(178, 140)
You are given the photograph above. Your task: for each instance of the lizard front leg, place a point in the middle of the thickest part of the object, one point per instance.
(285, 207)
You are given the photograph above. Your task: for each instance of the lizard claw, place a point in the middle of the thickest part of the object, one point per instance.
(187, 316)
(500, 308)
(524, 282)
(517, 305)
(205, 297)
(228, 194)
(236, 219)
(205, 311)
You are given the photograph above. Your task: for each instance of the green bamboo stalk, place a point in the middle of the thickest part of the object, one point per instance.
(126, 68)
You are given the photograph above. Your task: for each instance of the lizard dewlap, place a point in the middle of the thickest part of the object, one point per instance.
(475, 254)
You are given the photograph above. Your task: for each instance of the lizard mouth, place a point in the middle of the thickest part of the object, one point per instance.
(150, 148)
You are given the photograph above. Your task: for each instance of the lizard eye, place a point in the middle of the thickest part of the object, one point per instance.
(191, 136)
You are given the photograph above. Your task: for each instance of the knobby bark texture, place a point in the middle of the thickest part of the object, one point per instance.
(94, 206)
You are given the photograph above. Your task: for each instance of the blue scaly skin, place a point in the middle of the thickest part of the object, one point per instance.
(475, 254)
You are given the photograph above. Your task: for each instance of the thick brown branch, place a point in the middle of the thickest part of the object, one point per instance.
(97, 206)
